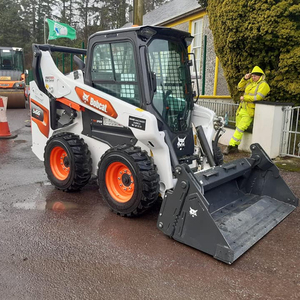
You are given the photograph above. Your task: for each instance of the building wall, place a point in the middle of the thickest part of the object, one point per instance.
(215, 84)
(210, 78)
(222, 86)
(183, 26)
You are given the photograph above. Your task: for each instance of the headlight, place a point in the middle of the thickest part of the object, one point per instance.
(19, 85)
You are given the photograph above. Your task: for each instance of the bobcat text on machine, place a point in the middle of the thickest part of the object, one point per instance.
(128, 116)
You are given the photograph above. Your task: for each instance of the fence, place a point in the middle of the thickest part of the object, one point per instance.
(276, 126)
(290, 144)
(225, 109)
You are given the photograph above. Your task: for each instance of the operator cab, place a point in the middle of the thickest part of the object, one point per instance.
(149, 68)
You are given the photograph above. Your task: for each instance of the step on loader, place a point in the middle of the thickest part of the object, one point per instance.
(127, 115)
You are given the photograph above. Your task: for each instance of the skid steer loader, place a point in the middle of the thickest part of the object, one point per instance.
(127, 115)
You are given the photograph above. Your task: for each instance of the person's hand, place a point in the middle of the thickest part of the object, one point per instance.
(242, 98)
(247, 76)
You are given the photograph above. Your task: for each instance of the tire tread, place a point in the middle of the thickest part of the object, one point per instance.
(82, 161)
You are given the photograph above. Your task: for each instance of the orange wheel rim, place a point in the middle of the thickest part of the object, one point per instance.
(59, 163)
(119, 182)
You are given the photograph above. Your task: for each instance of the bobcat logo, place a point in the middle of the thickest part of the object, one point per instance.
(193, 212)
(181, 143)
(85, 97)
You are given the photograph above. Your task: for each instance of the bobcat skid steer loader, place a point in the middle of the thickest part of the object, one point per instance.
(127, 115)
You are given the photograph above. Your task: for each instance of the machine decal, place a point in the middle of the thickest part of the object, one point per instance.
(96, 102)
(181, 143)
(49, 83)
(49, 79)
(193, 212)
(137, 123)
(98, 121)
(108, 122)
(40, 116)
(37, 113)
(105, 122)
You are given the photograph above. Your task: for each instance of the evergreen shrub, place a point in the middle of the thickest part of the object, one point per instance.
(258, 32)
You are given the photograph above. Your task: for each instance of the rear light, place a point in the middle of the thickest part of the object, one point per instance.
(19, 85)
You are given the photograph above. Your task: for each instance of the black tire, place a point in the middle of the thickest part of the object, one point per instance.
(136, 188)
(68, 162)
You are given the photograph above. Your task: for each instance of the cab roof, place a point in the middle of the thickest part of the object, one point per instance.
(157, 29)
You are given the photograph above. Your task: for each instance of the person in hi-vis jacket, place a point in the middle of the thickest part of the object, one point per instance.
(256, 88)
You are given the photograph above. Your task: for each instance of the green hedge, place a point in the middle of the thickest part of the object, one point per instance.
(259, 32)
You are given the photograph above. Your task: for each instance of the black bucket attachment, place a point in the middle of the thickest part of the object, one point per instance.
(225, 210)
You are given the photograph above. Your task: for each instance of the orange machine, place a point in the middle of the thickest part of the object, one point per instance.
(12, 76)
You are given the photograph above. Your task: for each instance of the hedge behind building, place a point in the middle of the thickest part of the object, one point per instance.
(259, 32)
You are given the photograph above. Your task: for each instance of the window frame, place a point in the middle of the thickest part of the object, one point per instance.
(197, 36)
(114, 80)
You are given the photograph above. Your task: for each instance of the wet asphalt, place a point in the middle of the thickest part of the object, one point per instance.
(57, 245)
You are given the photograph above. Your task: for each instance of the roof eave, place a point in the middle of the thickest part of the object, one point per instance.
(176, 18)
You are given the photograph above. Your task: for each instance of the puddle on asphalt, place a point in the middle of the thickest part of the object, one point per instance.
(29, 205)
(61, 205)
(47, 199)
(47, 205)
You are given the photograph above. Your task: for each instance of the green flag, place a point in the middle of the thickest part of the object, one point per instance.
(60, 30)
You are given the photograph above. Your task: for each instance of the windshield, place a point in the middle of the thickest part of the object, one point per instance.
(11, 60)
(173, 97)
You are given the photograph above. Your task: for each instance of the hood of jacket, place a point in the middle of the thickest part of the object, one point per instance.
(257, 69)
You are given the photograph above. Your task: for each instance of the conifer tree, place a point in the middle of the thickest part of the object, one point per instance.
(11, 30)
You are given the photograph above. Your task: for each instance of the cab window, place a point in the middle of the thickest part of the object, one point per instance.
(114, 71)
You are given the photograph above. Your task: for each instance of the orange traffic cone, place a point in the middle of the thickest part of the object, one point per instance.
(4, 129)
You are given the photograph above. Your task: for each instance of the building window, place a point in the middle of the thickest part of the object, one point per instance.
(196, 47)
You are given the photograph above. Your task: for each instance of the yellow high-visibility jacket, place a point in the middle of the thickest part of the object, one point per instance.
(254, 91)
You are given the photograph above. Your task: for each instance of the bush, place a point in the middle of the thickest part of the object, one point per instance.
(259, 32)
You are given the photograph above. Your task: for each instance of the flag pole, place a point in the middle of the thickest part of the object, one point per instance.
(44, 29)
